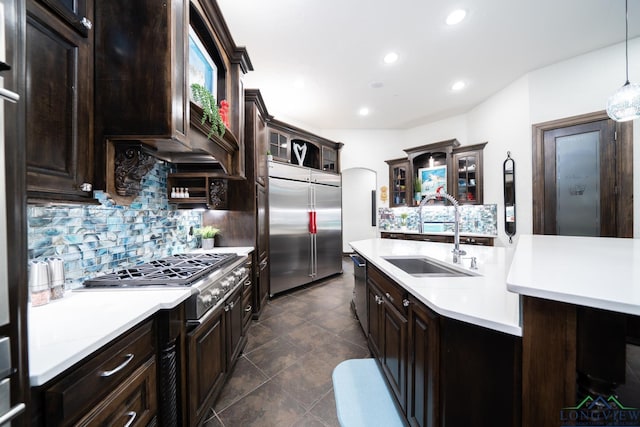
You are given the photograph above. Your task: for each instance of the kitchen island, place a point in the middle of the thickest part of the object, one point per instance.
(449, 346)
(581, 330)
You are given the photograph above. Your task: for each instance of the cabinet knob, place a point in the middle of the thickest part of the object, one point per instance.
(406, 302)
(248, 308)
(86, 187)
(86, 23)
(389, 297)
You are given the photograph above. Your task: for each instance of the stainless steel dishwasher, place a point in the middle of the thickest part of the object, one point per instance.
(360, 290)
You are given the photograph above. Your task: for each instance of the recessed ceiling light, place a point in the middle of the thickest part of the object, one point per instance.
(390, 58)
(458, 86)
(456, 16)
(364, 111)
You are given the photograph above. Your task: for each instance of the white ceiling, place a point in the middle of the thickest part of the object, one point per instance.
(336, 47)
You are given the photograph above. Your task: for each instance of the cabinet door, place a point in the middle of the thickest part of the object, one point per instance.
(206, 364)
(422, 377)
(279, 146)
(468, 174)
(74, 12)
(59, 105)
(399, 181)
(394, 351)
(374, 298)
(262, 146)
(235, 339)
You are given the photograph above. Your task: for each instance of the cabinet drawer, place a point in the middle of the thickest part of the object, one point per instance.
(83, 386)
(393, 293)
(133, 403)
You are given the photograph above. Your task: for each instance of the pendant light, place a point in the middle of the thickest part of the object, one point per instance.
(624, 104)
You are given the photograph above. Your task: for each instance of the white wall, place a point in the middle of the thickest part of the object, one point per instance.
(575, 86)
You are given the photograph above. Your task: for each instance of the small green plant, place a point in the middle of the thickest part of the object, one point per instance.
(417, 185)
(403, 218)
(207, 232)
(210, 111)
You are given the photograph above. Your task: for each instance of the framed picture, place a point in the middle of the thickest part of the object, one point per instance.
(434, 179)
(202, 69)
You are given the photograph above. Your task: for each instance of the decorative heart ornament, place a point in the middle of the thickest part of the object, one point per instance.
(300, 151)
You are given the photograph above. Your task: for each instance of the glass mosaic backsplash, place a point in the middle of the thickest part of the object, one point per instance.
(97, 239)
(477, 219)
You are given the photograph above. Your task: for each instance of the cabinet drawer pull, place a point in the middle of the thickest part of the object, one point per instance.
(132, 417)
(389, 297)
(117, 369)
(248, 308)
(379, 300)
(247, 283)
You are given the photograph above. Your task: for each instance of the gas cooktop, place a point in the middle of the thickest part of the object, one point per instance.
(176, 270)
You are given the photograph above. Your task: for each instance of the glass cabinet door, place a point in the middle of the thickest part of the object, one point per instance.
(468, 178)
(398, 180)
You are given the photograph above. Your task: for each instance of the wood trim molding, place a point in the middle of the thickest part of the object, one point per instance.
(624, 173)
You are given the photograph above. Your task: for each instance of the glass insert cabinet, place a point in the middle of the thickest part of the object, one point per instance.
(441, 166)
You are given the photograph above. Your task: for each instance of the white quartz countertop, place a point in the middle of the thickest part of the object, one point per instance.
(481, 300)
(67, 330)
(596, 272)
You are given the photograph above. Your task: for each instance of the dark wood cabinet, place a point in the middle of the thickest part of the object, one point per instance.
(290, 144)
(423, 366)
(236, 338)
(438, 238)
(206, 364)
(141, 71)
(120, 376)
(59, 102)
(388, 330)
(442, 372)
(257, 143)
(76, 13)
(399, 183)
(463, 165)
(468, 174)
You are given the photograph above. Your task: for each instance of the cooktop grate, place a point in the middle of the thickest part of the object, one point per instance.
(176, 270)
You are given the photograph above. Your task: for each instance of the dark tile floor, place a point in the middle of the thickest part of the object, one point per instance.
(284, 376)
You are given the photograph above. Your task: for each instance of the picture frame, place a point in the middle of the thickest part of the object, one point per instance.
(202, 69)
(433, 179)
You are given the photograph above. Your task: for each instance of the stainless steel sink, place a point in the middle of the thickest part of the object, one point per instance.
(424, 267)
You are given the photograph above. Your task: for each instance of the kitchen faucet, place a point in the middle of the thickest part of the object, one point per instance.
(457, 252)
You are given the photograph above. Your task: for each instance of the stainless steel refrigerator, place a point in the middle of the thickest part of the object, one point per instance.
(305, 226)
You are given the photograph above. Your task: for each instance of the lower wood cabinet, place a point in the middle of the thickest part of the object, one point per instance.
(133, 403)
(117, 380)
(438, 238)
(206, 364)
(423, 366)
(442, 372)
(388, 330)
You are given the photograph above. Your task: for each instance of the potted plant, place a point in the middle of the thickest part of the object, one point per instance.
(269, 156)
(417, 189)
(207, 235)
(210, 110)
(403, 220)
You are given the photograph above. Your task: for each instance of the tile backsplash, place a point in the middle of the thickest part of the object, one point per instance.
(96, 239)
(477, 219)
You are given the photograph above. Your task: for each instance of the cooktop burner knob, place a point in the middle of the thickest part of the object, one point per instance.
(205, 299)
(226, 283)
(240, 272)
(215, 293)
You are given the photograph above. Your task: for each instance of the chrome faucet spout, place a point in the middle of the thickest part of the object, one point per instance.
(457, 252)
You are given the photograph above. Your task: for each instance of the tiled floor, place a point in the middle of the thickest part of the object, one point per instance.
(284, 376)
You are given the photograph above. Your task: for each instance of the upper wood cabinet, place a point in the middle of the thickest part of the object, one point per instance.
(59, 100)
(256, 136)
(297, 146)
(434, 167)
(399, 185)
(142, 82)
(468, 181)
